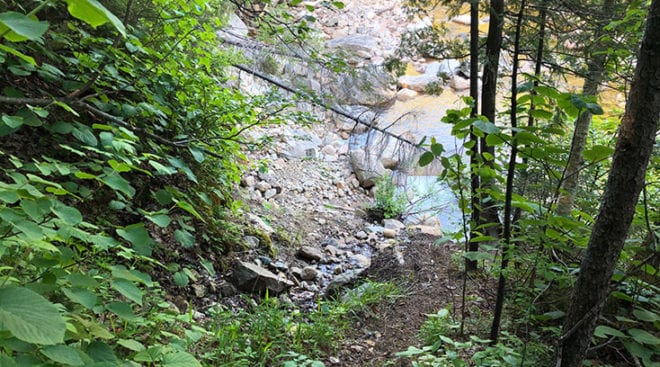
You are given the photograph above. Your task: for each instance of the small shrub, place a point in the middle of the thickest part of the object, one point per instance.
(389, 203)
(438, 324)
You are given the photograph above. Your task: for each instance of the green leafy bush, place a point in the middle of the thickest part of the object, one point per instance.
(389, 202)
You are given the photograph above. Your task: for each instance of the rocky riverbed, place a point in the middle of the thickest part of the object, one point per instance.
(307, 191)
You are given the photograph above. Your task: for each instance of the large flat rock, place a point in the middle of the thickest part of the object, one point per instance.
(255, 279)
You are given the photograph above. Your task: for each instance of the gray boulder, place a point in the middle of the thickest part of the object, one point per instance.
(310, 253)
(255, 279)
(367, 167)
(341, 281)
(369, 86)
(354, 43)
(235, 31)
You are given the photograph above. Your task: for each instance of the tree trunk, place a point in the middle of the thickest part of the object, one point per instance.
(625, 181)
(592, 80)
(489, 96)
(475, 182)
(508, 197)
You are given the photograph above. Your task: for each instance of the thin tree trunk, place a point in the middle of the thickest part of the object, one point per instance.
(474, 150)
(489, 96)
(631, 156)
(538, 63)
(508, 196)
(595, 70)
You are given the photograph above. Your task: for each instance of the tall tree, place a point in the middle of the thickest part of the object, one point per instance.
(489, 94)
(633, 150)
(597, 59)
(508, 198)
(475, 181)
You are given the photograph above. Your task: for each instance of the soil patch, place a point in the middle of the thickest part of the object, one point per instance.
(431, 281)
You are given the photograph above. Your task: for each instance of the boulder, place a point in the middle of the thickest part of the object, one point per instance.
(463, 19)
(389, 233)
(367, 167)
(393, 224)
(360, 261)
(235, 31)
(309, 273)
(418, 83)
(341, 281)
(262, 186)
(405, 94)
(447, 67)
(253, 278)
(300, 144)
(260, 223)
(459, 83)
(310, 253)
(368, 86)
(355, 43)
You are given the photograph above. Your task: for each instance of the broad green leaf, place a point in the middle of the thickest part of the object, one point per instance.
(547, 91)
(189, 208)
(128, 290)
(180, 164)
(131, 344)
(30, 317)
(524, 137)
(116, 182)
(6, 361)
(493, 140)
(437, 149)
(644, 337)
(486, 126)
(542, 115)
(150, 355)
(197, 154)
(68, 214)
(138, 236)
(10, 196)
(101, 352)
(161, 220)
(119, 166)
(476, 255)
(18, 54)
(525, 87)
(184, 237)
(121, 309)
(31, 230)
(426, 159)
(36, 209)
(181, 279)
(12, 121)
(597, 153)
(85, 135)
(603, 331)
(578, 102)
(162, 169)
(595, 108)
(646, 315)
(82, 296)
(208, 266)
(94, 14)
(84, 175)
(21, 27)
(63, 354)
(119, 271)
(638, 350)
(180, 359)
